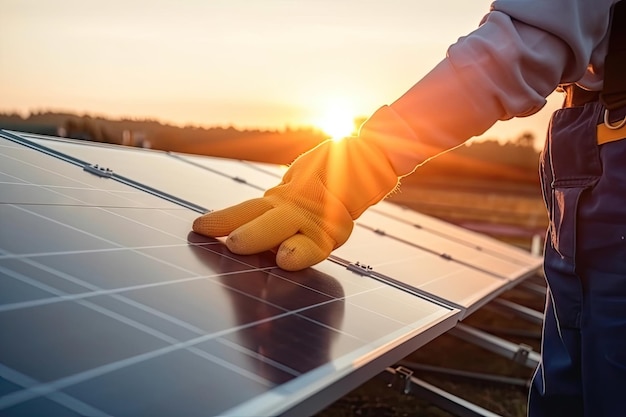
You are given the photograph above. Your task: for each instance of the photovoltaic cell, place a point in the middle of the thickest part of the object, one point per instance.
(109, 305)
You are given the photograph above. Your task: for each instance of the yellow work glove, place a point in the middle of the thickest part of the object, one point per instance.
(311, 212)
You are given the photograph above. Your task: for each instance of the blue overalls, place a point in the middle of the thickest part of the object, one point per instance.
(583, 367)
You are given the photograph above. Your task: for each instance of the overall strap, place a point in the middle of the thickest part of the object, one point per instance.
(613, 94)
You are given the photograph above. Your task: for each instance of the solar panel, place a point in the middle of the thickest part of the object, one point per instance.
(259, 175)
(109, 305)
(173, 176)
(454, 233)
(422, 270)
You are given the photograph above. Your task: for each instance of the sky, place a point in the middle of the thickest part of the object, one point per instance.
(267, 64)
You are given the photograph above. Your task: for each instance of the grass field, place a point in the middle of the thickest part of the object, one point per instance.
(513, 213)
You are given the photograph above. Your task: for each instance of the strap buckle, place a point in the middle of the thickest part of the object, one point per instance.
(608, 124)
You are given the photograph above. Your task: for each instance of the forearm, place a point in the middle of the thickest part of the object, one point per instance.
(506, 68)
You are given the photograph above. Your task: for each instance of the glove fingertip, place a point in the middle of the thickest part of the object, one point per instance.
(299, 253)
(205, 225)
(222, 222)
(236, 243)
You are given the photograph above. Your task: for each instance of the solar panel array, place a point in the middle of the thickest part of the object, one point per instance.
(109, 305)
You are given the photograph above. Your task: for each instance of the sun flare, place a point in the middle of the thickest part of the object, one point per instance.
(337, 120)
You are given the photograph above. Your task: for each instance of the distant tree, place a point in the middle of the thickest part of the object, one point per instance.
(88, 129)
(519, 153)
(525, 139)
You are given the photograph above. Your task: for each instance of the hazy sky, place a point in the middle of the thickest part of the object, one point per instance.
(250, 63)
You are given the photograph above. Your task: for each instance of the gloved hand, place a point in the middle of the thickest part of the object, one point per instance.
(311, 211)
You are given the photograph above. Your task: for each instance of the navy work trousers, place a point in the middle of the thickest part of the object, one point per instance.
(583, 366)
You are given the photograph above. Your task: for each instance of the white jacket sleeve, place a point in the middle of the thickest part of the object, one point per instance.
(506, 68)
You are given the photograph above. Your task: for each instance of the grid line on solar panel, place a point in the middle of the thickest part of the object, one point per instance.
(19, 138)
(189, 160)
(6, 255)
(55, 181)
(153, 174)
(257, 355)
(258, 175)
(94, 168)
(451, 249)
(456, 234)
(396, 283)
(31, 211)
(435, 252)
(241, 171)
(7, 143)
(409, 297)
(45, 389)
(95, 291)
(61, 398)
(412, 269)
(465, 299)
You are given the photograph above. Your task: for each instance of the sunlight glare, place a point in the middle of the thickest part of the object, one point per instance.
(337, 120)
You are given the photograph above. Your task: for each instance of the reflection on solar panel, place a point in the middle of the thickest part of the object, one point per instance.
(109, 305)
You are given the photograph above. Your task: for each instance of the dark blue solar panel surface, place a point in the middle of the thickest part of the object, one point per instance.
(420, 252)
(109, 305)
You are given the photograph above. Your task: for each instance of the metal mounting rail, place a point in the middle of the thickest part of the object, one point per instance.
(519, 310)
(520, 353)
(403, 379)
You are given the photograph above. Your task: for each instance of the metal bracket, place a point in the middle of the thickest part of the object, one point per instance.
(401, 379)
(99, 171)
(360, 268)
(454, 405)
(521, 356)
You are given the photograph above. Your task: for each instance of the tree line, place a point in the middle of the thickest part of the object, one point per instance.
(515, 160)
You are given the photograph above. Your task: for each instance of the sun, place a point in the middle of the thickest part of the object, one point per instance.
(337, 119)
